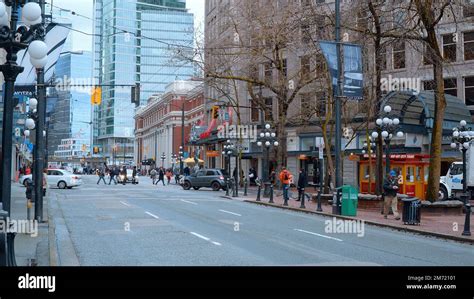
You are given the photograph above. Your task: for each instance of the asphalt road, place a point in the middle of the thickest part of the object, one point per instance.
(138, 225)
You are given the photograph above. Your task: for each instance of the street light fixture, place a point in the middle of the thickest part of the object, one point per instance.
(462, 137)
(266, 140)
(390, 128)
(14, 38)
(163, 158)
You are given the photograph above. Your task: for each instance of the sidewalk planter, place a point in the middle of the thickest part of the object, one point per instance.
(350, 197)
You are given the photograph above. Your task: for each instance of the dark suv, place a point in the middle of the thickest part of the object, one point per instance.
(212, 178)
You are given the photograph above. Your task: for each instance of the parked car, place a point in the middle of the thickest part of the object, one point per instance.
(129, 179)
(211, 178)
(57, 178)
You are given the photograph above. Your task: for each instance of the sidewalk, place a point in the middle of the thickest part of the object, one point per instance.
(30, 250)
(437, 226)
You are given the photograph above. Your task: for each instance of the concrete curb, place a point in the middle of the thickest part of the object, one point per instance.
(53, 253)
(405, 229)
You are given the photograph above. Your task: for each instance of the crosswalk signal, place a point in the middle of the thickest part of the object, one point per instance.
(215, 112)
(96, 97)
(96, 149)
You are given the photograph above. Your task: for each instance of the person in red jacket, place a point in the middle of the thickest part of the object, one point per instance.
(285, 179)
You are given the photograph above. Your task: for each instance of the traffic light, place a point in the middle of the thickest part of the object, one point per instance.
(96, 149)
(215, 112)
(96, 97)
(136, 94)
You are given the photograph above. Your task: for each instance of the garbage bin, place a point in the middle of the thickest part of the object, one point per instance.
(411, 211)
(349, 200)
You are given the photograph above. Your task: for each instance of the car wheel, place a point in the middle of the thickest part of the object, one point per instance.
(442, 193)
(196, 188)
(187, 185)
(62, 185)
(215, 186)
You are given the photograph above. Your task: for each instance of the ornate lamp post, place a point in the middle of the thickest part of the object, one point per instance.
(227, 152)
(163, 158)
(173, 160)
(14, 39)
(462, 137)
(390, 128)
(181, 158)
(266, 140)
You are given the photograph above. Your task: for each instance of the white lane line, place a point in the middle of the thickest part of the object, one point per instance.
(200, 236)
(232, 213)
(193, 203)
(154, 216)
(315, 234)
(125, 204)
(217, 243)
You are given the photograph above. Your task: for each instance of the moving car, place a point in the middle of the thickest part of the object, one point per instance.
(129, 179)
(211, 178)
(57, 178)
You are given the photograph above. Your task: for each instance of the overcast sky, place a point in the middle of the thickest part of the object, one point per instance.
(85, 7)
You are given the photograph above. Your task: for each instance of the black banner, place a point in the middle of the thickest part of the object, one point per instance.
(222, 282)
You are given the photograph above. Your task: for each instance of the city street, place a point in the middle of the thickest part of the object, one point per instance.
(141, 225)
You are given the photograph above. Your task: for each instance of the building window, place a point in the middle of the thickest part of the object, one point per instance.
(427, 55)
(268, 71)
(469, 90)
(469, 45)
(284, 67)
(305, 33)
(320, 65)
(449, 47)
(254, 112)
(429, 85)
(305, 62)
(269, 109)
(399, 55)
(451, 86)
(383, 57)
(307, 105)
(321, 103)
(468, 9)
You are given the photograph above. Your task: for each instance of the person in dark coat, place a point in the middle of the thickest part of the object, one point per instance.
(101, 174)
(302, 182)
(112, 173)
(134, 174)
(187, 171)
(161, 176)
(390, 188)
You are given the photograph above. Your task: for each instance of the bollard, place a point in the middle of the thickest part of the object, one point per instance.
(246, 186)
(258, 191)
(302, 206)
(234, 188)
(227, 187)
(271, 193)
(467, 221)
(319, 209)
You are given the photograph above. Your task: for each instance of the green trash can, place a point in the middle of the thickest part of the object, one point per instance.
(349, 200)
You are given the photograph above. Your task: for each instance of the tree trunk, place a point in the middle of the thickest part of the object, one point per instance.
(437, 134)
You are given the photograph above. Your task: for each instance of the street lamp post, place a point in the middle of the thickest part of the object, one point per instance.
(266, 140)
(388, 126)
(163, 158)
(462, 137)
(14, 39)
(181, 157)
(227, 153)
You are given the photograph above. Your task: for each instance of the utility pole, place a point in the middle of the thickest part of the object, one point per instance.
(339, 95)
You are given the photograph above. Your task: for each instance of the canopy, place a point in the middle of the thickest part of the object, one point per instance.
(191, 161)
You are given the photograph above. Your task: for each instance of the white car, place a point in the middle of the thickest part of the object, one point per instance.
(57, 178)
(121, 178)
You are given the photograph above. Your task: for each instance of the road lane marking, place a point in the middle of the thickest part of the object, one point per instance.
(319, 235)
(193, 203)
(217, 243)
(126, 204)
(154, 216)
(232, 213)
(200, 236)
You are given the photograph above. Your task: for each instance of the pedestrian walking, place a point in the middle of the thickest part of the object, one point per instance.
(176, 175)
(187, 171)
(153, 175)
(390, 187)
(134, 175)
(161, 176)
(285, 177)
(124, 175)
(302, 182)
(168, 175)
(113, 174)
(101, 174)
(45, 181)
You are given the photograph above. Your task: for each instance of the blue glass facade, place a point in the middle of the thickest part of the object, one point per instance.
(71, 115)
(128, 50)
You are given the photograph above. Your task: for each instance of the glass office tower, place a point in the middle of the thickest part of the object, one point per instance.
(134, 43)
